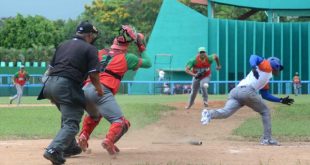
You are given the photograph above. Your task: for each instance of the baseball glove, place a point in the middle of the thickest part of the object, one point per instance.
(287, 100)
(200, 74)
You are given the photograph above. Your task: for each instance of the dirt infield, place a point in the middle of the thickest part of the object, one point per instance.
(166, 142)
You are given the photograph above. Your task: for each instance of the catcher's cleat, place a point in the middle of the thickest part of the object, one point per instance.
(109, 146)
(205, 104)
(270, 142)
(83, 142)
(205, 117)
(54, 156)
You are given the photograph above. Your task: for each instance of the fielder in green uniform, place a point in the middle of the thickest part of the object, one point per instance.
(199, 68)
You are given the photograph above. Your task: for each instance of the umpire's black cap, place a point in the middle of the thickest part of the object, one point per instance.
(86, 27)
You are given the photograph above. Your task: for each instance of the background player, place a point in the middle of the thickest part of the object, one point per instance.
(120, 62)
(296, 84)
(19, 80)
(200, 68)
(245, 93)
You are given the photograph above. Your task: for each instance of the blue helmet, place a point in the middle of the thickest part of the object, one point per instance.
(275, 63)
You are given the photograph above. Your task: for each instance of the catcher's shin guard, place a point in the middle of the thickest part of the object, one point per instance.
(116, 131)
(87, 128)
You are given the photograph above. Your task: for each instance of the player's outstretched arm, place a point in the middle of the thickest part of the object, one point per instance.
(267, 96)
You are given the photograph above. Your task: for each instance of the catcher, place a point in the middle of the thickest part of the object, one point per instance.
(245, 93)
(199, 68)
(115, 63)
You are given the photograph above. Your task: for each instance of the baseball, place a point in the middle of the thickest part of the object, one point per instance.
(206, 85)
(195, 142)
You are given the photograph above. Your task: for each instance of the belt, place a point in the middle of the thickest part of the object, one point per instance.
(115, 75)
(247, 86)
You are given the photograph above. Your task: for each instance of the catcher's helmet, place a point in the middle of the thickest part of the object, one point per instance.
(127, 34)
(275, 63)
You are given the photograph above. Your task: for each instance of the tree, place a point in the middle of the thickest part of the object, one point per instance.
(225, 11)
(108, 15)
(23, 32)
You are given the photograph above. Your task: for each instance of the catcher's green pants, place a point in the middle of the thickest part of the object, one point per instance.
(241, 96)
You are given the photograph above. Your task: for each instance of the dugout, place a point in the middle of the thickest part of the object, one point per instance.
(179, 31)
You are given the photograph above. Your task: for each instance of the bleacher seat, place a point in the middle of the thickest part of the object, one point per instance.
(19, 64)
(43, 64)
(2, 64)
(35, 64)
(11, 64)
(27, 64)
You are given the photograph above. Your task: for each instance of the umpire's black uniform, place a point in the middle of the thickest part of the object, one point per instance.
(72, 62)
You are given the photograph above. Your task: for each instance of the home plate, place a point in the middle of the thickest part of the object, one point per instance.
(234, 151)
(128, 148)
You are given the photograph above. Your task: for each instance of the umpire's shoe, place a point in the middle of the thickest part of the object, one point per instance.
(75, 150)
(54, 156)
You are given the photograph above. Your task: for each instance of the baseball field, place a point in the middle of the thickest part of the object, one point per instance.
(161, 132)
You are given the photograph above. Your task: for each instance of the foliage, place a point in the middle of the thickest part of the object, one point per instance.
(232, 12)
(32, 38)
(109, 15)
(24, 32)
(67, 28)
(200, 8)
(225, 11)
(35, 36)
(36, 53)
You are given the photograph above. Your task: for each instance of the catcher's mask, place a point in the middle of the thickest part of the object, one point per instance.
(127, 34)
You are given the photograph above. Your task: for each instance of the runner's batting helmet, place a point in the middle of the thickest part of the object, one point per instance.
(275, 63)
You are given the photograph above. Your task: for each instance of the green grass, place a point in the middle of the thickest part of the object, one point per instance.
(29, 122)
(44, 122)
(127, 99)
(289, 123)
(25, 100)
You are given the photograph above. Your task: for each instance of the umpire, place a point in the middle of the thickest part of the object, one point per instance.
(73, 61)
